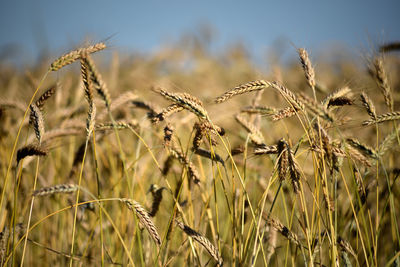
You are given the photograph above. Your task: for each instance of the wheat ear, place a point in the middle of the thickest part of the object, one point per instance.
(241, 89)
(211, 249)
(69, 58)
(56, 189)
(144, 218)
(391, 116)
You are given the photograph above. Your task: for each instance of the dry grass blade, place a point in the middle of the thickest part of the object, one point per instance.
(211, 249)
(144, 218)
(241, 89)
(30, 150)
(391, 116)
(69, 58)
(57, 189)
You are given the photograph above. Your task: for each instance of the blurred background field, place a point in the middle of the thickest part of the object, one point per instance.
(244, 211)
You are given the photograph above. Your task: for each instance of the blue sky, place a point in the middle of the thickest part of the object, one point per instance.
(28, 26)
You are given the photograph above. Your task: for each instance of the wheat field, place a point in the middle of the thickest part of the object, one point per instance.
(185, 157)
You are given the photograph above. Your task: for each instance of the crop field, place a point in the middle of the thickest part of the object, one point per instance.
(185, 157)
